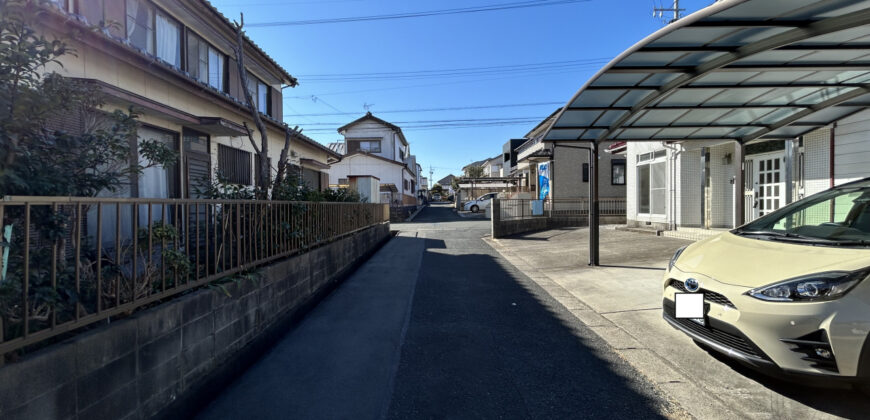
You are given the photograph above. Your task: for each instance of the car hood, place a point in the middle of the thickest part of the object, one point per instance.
(750, 262)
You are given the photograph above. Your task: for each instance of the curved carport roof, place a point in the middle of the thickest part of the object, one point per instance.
(742, 70)
(737, 70)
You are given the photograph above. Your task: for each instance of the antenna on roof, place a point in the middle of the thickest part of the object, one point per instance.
(368, 106)
(659, 12)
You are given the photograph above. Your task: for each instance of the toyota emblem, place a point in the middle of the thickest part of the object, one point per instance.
(692, 285)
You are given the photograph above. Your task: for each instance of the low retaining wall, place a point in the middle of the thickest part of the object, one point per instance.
(161, 360)
(504, 228)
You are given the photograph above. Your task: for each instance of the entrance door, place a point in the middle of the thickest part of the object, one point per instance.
(769, 184)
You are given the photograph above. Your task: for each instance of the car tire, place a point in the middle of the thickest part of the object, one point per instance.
(475, 209)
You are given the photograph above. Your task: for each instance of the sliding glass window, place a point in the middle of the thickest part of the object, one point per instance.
(140, 25)
(205, 63)
(168, 40)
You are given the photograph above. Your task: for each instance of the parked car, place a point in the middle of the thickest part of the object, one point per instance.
(436, 197)
(787, 293)
(480, 203)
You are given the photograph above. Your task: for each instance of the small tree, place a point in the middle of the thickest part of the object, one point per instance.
(474, 172)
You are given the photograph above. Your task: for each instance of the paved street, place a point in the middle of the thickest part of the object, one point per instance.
(439, 325)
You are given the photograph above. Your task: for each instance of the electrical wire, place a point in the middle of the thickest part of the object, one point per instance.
(454, 108)
(454, 11)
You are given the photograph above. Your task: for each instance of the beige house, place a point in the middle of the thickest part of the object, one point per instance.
(569, 167)
(173, 61)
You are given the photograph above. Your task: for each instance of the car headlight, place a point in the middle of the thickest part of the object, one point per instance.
(815, 287)
(674, 258)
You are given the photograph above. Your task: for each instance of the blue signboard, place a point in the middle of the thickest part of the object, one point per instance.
(543, 180)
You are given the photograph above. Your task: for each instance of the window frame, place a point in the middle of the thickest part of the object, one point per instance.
(209, 49)
(614, 163)
(246, 180)
(647, 163)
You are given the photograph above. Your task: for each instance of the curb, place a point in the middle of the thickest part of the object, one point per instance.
(411, 217)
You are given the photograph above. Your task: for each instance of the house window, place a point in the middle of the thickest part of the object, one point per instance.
(342, 181)
(140, 25)
(651, 189)
(259, 93)
(168, 39)
(617, 172)
(370, 146)
(234, 165)
(585, 172)
(205, 63)
(157, 181)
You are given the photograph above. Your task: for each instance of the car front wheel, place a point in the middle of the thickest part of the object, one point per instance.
(475, 209)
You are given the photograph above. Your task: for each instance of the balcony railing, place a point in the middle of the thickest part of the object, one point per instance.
(69, 262)
(519, 209)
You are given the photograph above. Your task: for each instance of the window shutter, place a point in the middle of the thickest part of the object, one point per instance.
(277, 106)
(235, 83)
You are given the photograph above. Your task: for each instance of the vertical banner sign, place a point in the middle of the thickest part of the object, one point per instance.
(543, 180)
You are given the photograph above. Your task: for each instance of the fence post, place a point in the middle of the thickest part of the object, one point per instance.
(495, 220)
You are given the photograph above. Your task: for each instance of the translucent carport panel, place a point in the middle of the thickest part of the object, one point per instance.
(596, 98)
(619, 79)
(658, 117)
(562, 134)
(577, 118)
(744, 115)
(688, 97)
(736, 96)
(701, 116)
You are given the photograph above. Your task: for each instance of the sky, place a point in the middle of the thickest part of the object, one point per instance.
(506, 70)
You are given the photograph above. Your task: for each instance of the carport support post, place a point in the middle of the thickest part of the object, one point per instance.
(593, 206)
(740, 185)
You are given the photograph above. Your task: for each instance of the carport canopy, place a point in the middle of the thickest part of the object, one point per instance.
(741, 70)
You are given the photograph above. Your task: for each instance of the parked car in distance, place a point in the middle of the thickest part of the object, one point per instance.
(788, 293)
(480, 203)
(436, 197)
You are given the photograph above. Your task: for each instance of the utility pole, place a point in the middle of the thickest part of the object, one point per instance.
(660, 11)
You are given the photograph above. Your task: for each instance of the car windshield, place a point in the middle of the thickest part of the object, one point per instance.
(837, 217)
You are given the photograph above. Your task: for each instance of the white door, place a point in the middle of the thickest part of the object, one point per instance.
(769, 183)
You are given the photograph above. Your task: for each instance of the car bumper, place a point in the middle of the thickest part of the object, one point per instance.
(773, 336)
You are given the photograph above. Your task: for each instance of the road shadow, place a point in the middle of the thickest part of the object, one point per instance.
(484, 341)
(839, 401)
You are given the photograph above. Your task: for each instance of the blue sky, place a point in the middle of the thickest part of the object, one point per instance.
(565, 45)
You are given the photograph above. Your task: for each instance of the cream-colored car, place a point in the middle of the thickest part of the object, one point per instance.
(788, 293)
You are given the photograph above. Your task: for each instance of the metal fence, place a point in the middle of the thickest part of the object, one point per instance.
(68, 262)
(519, 209)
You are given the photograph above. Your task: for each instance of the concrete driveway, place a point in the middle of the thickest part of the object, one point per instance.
(621, 302)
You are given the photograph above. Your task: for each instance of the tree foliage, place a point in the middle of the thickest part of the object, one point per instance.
(474, 172)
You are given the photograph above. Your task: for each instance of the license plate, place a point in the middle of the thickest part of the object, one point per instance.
(690, 306)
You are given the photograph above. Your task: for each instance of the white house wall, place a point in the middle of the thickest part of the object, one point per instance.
(374, 130)
(817, 162)
(852, 148)
(722, 188)
(688, 190)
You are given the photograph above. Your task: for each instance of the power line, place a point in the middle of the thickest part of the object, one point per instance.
(455, 11)
(465, 120)
(455, 108)
(455, 82)
(457, 72)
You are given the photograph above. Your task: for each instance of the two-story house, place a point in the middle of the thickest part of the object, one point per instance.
(173, 61)
(377, 148)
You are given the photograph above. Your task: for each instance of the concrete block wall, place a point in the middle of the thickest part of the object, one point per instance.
(136, 367)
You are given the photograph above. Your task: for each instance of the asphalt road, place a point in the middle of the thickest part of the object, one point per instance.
(438, 325)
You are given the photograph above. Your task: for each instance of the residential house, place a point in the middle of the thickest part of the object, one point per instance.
(375, 147)
(690, 185)
(447, 183)
(567, 167)
(173, 61)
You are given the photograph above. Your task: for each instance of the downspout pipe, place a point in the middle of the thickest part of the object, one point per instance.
(675, 153)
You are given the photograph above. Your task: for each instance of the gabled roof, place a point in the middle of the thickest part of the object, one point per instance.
(543, 125)
(337, 147)
(446, 180)
(739, 70)
(473, 164)
(369, 117)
